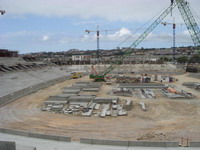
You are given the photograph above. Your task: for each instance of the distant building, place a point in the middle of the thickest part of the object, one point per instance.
(8, 53)
(81, 57)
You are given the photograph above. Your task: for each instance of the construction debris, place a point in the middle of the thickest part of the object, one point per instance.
(127, 79)
(147, 93)
(174, 92)
(122, 92)
(153, 137)
(104, 110)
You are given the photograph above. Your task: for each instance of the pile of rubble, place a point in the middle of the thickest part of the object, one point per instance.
(127, 79)
(153, 137)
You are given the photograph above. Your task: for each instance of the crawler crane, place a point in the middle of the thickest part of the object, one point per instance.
(188, 18)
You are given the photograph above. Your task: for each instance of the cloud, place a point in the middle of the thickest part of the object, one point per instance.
(125, 10)
(126, 35)
(25, 38)
(45, 38)
(122, 33)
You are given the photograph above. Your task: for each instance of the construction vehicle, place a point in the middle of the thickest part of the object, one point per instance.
(77, 75)
(188, 18)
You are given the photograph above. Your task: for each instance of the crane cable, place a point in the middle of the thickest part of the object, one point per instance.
(195, 14)
(140, 28)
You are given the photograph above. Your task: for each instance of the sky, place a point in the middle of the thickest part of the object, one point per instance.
(59, 25)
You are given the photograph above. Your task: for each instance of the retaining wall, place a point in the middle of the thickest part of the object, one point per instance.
(36, 135)
(18, 94)
(4, 145)
(129, 143)
(194, 144)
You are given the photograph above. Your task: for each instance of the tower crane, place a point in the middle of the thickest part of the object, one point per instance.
(98, 38)
(174, 37)
(188, 19)
(97, 31)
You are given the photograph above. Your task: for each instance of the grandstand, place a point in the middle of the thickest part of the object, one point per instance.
(19, 77)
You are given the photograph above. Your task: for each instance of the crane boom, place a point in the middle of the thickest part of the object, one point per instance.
(129, 50)
(189, 21)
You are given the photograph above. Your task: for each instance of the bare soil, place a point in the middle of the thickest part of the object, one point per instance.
(164, 120)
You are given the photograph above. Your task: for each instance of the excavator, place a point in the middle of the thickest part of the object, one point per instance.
(188, 18)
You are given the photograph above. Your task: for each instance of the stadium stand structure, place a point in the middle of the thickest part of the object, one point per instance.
(19, 77)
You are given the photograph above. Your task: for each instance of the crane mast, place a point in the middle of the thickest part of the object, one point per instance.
(174, 37)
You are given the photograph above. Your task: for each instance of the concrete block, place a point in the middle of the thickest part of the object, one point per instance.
(15, 132)
(36, 135)
(4, 145)
(105, 99)
(50, 137)
(90, 89)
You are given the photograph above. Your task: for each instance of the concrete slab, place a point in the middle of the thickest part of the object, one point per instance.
(105, 99)
(82, 98)
(90, 89)
(71, 91)
(142, 85)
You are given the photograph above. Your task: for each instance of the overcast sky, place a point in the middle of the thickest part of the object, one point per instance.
(59, 25)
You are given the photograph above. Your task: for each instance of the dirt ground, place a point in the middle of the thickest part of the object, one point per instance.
(165, 120)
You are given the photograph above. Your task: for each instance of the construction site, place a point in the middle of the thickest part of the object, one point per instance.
(118, 101)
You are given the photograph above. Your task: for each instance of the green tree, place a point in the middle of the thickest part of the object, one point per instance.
(182, 59)
(164, 59)
(195, 59)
